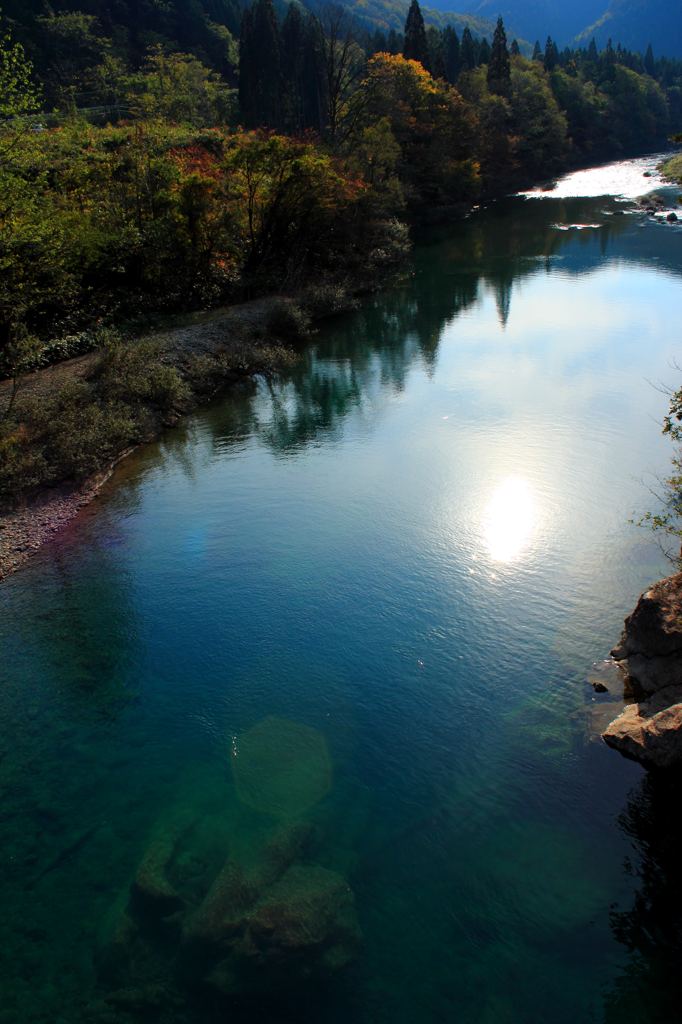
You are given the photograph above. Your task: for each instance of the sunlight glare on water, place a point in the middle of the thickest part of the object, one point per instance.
(510, 520)
(628, 179)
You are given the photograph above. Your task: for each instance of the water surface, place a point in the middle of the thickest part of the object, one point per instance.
(367, 597)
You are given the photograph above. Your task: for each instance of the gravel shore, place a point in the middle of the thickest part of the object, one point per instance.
(23, 531)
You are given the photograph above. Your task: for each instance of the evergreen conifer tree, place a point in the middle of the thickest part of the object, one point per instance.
(451, 54)
(499, 68)
(649, 62)
(551, 58)
(259, 67)
(515, 49)
(537, 50)
(293, 34)
(467, 51)
(415, 46)
(436, 55)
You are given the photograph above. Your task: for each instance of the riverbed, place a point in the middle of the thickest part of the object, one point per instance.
(366, 600)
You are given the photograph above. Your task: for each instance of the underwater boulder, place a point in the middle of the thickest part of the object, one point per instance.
(221, 914)
(151, 892)
(281, 767)
(308, 912)
(288, 844)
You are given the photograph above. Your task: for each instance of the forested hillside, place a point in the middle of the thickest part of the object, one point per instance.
(632, 23)
(538, 18)
(636, 23)
(179, 157)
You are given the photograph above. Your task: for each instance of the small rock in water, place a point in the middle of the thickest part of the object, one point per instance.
(672, 218)
(599, 688)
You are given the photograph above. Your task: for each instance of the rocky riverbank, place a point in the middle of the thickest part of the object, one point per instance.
(649, 730)
(205, 350)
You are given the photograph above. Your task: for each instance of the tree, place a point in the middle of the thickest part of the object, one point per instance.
(551, 57)
(179, 88)
(21, 251)
(515, 49)
(293, 55)
(451, 54)
(537, 51)
(18, 95)
(260, 85)
(73, 44)
(431, 123)
(539, 123)
(649, 62)
(342, 62)
(416, 45)
(436, 54)
(499, 68)
(467, 51)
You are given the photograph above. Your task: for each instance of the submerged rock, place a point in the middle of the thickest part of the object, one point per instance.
(650, 732)
(308, 913)
(650, 654)
(151, 890)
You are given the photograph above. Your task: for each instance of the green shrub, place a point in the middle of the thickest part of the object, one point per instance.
(136, 374)
(327, 300)
(288, 321)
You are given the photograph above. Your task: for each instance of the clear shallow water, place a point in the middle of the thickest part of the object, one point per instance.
(366, 597)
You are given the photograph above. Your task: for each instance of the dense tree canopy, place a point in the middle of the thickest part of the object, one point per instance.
(192, 153)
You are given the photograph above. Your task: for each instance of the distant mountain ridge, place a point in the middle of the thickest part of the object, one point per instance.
(634, 23)
(391, 14)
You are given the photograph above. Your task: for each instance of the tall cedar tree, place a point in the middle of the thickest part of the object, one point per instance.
(499, 69)
(551, 58)
(293, 55)
(259, 67)
(451, 54)
(467, 51)
(649, 62)
(416, 45)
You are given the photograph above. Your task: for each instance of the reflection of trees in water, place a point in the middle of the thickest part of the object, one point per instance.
(651, 930)
(376, 347)
(90, 602)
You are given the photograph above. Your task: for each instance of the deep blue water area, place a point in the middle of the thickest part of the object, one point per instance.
(312, 672)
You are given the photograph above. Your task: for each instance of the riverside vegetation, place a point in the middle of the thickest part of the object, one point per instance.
(162, 159)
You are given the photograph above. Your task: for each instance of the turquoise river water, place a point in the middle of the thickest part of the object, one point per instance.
(313, 671)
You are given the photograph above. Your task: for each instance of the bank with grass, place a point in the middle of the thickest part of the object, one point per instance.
(65, 427)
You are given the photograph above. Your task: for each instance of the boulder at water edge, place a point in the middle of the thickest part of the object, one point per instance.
(650, 732)
(650, 649)
(650, 654)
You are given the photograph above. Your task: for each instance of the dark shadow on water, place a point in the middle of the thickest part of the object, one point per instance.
(648, 992)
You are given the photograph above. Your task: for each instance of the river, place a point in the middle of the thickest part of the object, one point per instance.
(366, 597)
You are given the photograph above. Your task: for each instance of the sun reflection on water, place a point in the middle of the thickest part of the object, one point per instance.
(509, 520)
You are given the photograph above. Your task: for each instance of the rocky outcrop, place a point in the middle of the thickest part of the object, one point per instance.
(650, 732)
(650, 654)
(650, 648)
